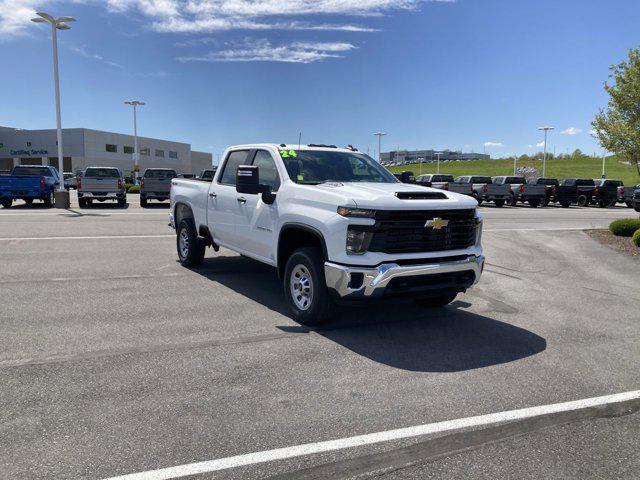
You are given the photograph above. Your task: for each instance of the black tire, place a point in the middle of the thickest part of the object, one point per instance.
(546, 203)
(82, 202)
(478, 199)
(629, 204)
(7, 202)
(514, 201)
(583, 201)
(602, 204)
(565, 204)
(122, 202)
(143, 202)
(28, 201)
(534, 203)
(48, 200)
(499, 203)
(304, 274)
(190, 247)
(437, 301)
(637, 209)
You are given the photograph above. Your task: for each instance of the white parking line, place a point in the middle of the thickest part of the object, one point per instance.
(85, 238)
(374, 438)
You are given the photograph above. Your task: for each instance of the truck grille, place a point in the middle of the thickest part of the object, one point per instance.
(404, 231)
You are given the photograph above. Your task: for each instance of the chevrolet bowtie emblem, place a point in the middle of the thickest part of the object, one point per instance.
(436, 223)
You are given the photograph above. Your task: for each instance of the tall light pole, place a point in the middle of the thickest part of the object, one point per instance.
(60, 23)
(515, 164)
(379, 135)
(438, 156)
(136, 153)
(544, 156)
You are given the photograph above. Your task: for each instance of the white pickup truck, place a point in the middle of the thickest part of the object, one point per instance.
(334, 223)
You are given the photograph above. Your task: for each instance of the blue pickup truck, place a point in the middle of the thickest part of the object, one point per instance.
(29, 183)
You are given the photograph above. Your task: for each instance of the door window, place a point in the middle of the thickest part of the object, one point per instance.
(234, 160)
(267, 171)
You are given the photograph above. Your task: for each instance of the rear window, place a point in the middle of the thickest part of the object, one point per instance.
(102, 173)
(161, 174)
(442, 178)
(584, 182)
(481, 180)
(608, 183)
(515, 180)
(31, 172)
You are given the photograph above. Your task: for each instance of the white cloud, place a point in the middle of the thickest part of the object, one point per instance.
(264, 51)
(593, 132)
(82, 51)
(540, 144)
(493, 144)
(571, 131)
(15, 16)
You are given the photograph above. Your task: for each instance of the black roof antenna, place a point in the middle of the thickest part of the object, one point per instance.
(352, 148)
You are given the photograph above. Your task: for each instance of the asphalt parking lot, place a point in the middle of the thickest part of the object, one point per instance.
(114, 359)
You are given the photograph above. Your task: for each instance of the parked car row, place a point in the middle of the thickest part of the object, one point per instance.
(540, 191)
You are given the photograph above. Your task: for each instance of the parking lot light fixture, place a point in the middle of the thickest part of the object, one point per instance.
(59, 23)
(379, 135)
(136, 153)
(544, 155)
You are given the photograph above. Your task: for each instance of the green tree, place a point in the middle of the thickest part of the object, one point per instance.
(618, 126)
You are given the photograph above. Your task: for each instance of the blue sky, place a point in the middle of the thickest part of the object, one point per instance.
(465, 74)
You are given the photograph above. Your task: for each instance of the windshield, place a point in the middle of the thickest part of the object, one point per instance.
(31, 172)
(311, 167)
(102, 173)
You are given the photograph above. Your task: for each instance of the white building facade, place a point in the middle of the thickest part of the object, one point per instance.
(83, 147)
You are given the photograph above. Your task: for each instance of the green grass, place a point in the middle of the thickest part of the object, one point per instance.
(583, 168)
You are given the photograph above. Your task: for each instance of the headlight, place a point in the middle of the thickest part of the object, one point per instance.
(356, 212)
(357, 241)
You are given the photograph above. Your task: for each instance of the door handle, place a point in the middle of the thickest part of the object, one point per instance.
(242, 200)
(212, 195)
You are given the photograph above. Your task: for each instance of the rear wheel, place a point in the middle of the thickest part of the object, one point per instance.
(28, 201)
(565, 204)
(583, 201)
(478, 199)
(514, 200)
(122, 202)
(437, 301)
(82, 202)
(7, 202)
(143, 202)
(305, 286)
(48, 200)
(190, 248)
(629, 204)
(499, 203)
(534, 203)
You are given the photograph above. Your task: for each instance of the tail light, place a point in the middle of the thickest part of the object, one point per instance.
(485, 188)
(596, 190)
(521, 188)
(42, 182)
(79, 182)
(621, 190)
(446, 186)
(142, 183)
(554, 190)
(119, 183)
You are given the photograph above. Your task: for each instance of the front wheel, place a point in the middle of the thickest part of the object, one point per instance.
(305, 287)
(190, 248)
(438, 301)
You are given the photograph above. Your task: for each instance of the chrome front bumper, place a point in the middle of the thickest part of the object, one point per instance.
(376, 280)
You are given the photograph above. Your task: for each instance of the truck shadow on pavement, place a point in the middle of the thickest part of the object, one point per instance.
(392, 331)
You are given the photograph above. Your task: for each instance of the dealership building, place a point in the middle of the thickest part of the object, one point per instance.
(426, 156)
(83, 147)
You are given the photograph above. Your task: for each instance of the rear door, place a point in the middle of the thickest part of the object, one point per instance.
(223, 200)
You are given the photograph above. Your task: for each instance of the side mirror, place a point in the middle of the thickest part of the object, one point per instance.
(248, 180)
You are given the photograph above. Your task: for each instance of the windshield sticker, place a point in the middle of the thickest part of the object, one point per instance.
(288, 153)
(300, 178)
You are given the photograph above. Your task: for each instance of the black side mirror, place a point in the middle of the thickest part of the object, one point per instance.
(248, 180)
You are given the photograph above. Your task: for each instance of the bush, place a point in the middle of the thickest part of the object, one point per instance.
(625, 227)
(132, 188)
(636, 238)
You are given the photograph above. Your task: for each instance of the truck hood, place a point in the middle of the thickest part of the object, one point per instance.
(385, 196)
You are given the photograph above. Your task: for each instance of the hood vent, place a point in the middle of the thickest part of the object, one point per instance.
(421, 196)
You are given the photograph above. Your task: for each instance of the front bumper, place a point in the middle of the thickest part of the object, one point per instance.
(355, 282)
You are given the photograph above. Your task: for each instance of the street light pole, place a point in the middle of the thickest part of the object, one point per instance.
(544, 156)
(136, 152)
(379, 135)
(62, 196)
(438, 156)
